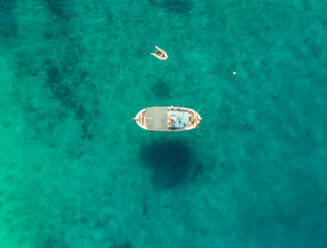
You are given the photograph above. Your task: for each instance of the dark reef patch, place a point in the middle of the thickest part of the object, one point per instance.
(57, 85)
(173, 6)
(126, 244)
(145, 208)
(86, 129)
(161, 90)
(58, 7)
(81, 113)
(49, 238)
(83, 75)
(54, 75)
(170, 162)
(52, 243)
(25, 65)
(64, 93)
(7, 22)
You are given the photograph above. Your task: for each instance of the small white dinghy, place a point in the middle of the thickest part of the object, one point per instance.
(167, 119)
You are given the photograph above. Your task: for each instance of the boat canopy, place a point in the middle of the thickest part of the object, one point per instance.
(179, 118)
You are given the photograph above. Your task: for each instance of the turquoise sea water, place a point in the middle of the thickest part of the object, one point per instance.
(75, 171)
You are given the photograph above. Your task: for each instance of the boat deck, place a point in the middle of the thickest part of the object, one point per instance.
(156, 118)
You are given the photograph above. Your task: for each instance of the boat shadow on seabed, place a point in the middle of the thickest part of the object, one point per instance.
(171, 162)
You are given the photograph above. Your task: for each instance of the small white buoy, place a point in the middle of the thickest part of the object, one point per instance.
(234, 72)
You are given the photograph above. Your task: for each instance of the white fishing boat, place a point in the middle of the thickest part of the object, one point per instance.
(167, 119)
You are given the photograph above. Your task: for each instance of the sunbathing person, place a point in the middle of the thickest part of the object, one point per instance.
(160, 54)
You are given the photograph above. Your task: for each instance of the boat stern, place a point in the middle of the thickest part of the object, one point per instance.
(140, 119)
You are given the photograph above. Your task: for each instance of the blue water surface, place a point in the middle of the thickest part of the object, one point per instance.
(75, 169)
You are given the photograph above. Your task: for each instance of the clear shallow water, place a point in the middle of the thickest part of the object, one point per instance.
(77, 172)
